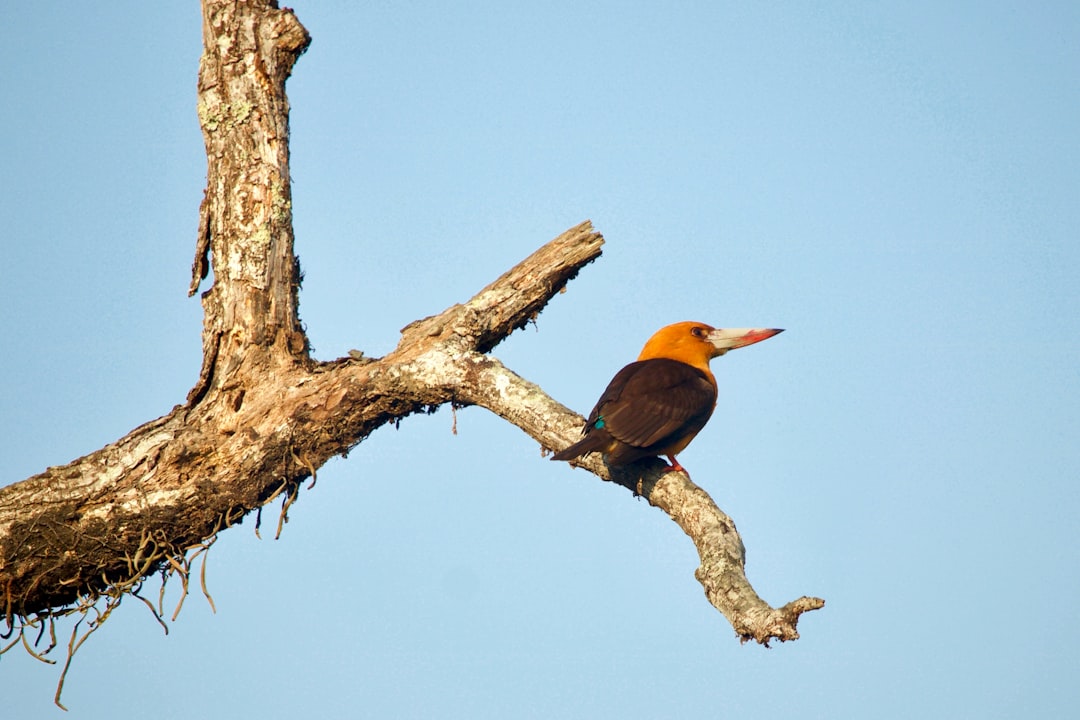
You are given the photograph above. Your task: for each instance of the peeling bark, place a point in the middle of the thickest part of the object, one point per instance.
(263, 416)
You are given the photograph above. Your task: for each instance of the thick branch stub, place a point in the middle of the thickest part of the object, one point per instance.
(512, 300)
(245, 220)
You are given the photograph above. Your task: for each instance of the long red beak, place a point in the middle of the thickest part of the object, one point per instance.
(731, 338)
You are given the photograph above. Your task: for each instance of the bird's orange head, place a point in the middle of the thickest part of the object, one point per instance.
(696, 343)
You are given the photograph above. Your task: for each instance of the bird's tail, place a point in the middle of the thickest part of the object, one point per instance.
(593, 442)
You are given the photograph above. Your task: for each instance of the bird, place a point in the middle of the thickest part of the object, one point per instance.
(657, 404)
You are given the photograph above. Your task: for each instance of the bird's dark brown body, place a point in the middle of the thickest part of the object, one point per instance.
(656, 405)
(651, 407)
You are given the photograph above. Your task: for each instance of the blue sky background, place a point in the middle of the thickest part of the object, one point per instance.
(898, 185)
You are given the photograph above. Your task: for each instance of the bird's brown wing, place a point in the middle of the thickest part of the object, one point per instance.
(651, 404)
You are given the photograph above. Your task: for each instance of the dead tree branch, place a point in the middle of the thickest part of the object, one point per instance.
(263, 416)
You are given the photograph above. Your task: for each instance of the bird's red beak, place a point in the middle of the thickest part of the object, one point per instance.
(731, 338)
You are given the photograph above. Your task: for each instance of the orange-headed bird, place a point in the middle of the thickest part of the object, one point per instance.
(656, 405)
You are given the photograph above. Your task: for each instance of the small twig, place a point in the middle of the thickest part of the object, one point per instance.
(258, 520)
(67, 664)
(52, 632)
(285, 505)
(33, 653)
(161, 592)
(153, 612)
(41, 632)
(133, 562)
(202, 578)
(7, 609)
(307, 465)
(73, 647)
(280, 489)
(13, 643)
(183, 573)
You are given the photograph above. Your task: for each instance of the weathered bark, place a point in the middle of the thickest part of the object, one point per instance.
(263, 416)
(245, 220)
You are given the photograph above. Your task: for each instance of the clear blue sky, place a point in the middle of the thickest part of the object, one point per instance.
(898, 185)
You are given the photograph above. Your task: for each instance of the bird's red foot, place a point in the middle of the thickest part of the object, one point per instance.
(675, 466)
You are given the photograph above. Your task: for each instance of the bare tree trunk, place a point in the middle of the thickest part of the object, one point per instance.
(263, 416)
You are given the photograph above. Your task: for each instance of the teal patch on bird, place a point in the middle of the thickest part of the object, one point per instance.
(599, 423)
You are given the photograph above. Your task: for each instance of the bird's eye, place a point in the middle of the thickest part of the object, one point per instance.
(698, 332)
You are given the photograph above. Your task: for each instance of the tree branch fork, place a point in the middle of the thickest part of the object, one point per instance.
(264, 416)
(259, 437)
